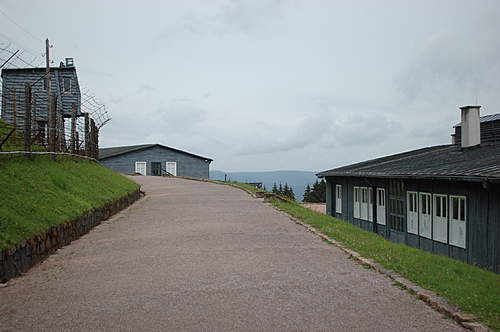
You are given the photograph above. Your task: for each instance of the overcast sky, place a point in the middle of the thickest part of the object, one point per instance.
(274, 85)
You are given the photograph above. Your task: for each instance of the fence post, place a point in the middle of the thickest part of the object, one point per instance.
(27, 117)
(73, 128)
(14, 115)
(77, 144)
(52, 123)
(87, 135)
(92, 138)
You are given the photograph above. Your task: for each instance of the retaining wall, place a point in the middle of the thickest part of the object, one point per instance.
(19, 258)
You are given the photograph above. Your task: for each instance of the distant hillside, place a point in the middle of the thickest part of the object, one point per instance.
(298, 180)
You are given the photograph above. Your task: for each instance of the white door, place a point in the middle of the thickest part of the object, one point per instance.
(380, 206)
(370, 204)
(411, 212)
(457, 221)
(364, 203)
(425, 226)
(440, 218)
(356, 202)
(171, 167)
(338, 198)
(140, 167)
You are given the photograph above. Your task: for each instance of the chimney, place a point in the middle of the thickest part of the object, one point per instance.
(69, 62)
(470, 126)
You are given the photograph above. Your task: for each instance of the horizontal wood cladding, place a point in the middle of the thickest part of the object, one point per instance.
(14, 83)
(187, 165)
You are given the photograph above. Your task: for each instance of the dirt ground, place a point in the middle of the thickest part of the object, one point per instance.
(319, 207)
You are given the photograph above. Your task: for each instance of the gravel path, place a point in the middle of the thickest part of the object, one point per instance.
(195, 256)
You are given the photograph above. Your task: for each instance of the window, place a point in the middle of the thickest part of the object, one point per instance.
(397, 210)
(140, 167)
(67, 84)
(440, 220)
(338, 198)
(458, 221)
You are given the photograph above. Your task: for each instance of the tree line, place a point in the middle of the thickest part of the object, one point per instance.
(316, 194)
(284, 190)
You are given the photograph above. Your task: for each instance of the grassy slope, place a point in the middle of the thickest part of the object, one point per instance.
(475, 290)
(39, 193)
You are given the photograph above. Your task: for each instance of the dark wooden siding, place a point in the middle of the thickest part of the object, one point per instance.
(187, 165)
(482, 214)
(490, 132)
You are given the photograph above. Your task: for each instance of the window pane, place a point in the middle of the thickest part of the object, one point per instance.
(454, 207)
(437, 208)
(462, 209)
(422, 203)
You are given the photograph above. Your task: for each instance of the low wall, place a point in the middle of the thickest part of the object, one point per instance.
(20, 258)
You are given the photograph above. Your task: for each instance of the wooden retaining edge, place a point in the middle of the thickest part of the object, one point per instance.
(19, 258)
(430, 298)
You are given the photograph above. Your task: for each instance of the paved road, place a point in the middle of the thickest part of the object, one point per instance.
(196, 256)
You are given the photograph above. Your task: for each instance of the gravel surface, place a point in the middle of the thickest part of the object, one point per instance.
(195, 256)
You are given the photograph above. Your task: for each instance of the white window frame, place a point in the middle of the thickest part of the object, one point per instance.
(425, 226)
(440, 223)
(171, 162)
(338, 198)
(145, 167)
(411, 227)
(370, 204)
(381, 208)
(458, 227)
(356, 202)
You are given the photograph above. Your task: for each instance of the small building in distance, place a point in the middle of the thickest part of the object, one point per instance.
(154, 160)
(444, 199)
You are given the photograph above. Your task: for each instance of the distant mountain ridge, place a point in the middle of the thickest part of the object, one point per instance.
(298, 180)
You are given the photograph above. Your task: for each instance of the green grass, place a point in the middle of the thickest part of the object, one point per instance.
(474, 290)
(38, 193)
(15, 142)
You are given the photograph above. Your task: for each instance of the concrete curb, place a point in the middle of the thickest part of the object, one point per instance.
(434, 301)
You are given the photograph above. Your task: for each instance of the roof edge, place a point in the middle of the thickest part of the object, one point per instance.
(147, 146)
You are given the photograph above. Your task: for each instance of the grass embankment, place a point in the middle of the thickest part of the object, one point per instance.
(38, 193)
(475, 290)
(14, 142)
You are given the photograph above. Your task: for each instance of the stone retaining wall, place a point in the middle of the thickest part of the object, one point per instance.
(20, 258)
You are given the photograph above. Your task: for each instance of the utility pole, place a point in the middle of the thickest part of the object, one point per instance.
(50, 101)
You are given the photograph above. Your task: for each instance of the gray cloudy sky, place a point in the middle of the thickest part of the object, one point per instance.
(270, 85)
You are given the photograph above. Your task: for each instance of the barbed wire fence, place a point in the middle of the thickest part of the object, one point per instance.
(33, 120)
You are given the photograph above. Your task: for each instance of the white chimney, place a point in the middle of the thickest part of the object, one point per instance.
(471, 127)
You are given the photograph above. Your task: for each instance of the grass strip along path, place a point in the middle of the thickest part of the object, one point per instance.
(38, 193)
(474, 290)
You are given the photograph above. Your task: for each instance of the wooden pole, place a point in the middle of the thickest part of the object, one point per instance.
(14, 111)
(77, 146)
(73, 129)
(14, 115)
(87, 135)
(92, 138)
(52, 123)
(27, 117)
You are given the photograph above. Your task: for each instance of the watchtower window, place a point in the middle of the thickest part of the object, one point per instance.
(67, 84)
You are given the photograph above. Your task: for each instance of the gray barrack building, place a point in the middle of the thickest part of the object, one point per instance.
(155, 160)
(444, 199)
